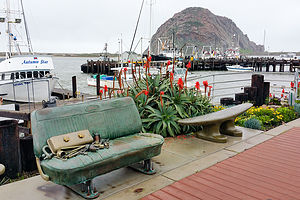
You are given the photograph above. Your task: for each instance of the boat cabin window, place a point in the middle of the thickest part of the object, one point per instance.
(35, 74)
(12, 76)
(42, 74)
(3, 77)
(17, 75)
(22, 74)
(29, 74)
(47, 72)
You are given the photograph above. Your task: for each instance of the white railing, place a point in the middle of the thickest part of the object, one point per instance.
(227, 84)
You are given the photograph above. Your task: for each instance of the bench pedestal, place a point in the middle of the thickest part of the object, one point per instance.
(86, 190)
(145, 167)
(211, 133)
(228, 128)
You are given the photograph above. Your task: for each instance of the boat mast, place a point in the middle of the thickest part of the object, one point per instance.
(151, 3)
(26, 30)
(8, 53)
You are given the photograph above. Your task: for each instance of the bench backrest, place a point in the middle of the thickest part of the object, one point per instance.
(110, 118)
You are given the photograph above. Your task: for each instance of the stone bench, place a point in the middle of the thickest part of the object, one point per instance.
(2, 169)
(117, 120)
(218, 123)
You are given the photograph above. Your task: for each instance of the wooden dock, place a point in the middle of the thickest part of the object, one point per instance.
(258, 64)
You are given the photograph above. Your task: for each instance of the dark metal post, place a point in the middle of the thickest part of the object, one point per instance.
(98, 84)
(74, 86)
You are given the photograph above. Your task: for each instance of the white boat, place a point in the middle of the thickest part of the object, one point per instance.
(109, 80)
(239, 68)
(24, 77)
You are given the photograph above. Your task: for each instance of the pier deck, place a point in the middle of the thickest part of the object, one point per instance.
(181, 157)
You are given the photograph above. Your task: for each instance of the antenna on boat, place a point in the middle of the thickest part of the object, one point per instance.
(8, 53)
(26, 30)
(137, 23)
(150, 26)
(265, 39)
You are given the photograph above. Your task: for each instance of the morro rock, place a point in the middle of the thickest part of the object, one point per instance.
(199, 27)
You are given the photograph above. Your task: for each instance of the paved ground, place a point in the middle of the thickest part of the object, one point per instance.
(267, 171)
(180, 158)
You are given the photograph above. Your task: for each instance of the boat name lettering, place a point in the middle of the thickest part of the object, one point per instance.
(35, 62)
(30, 62)
(44, 61)
(18, 84)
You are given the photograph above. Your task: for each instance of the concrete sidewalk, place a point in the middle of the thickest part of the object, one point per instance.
(180, 157)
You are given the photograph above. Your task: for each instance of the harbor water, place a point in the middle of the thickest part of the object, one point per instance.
(225, 83)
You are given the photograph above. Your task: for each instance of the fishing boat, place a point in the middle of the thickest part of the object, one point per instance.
(24, 76)
(239, 68)
(109, 80)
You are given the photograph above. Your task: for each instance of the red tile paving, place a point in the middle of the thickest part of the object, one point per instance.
(267, 171)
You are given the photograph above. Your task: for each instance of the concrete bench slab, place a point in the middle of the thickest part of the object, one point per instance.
(218, 124)
(2, 169)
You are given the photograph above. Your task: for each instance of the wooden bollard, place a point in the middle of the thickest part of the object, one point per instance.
(10, 148)
(258, 82)
(98, 84)
(74, 86)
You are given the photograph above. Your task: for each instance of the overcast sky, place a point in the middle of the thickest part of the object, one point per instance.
(85, 25)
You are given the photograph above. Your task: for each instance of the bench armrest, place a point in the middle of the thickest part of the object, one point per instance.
(38, 164)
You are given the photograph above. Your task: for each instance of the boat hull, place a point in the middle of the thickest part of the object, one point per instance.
(239, 68)
(28, 90)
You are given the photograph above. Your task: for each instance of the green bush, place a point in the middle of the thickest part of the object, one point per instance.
(297, 108)
(253, 123)
(268, 117)
(288, 113)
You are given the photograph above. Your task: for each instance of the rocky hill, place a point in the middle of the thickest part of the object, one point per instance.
(199, 27)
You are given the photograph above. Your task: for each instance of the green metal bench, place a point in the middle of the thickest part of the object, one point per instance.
(116, 119)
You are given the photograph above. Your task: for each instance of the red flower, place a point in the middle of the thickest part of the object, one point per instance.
(292, 84)
(128, 61)
(285, 96)
(282, 91)
(168, 63)
(105, 88)
(188, 65)
(149, 58)
(171, 76)
(146, 92)
(205, 83)
(125, 69)
(197, 86)
(161, 101)
(270, 95)
(149, 74)
(180, 84)
(210, 86)
(281, 95)
(101, 91)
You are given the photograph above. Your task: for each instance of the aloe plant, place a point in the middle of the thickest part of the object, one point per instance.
(162, 121)
(161, 104)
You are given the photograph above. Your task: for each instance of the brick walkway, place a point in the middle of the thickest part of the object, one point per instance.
(267, 171)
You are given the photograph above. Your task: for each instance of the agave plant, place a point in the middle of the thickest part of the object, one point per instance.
(162, 121)
(161, 104)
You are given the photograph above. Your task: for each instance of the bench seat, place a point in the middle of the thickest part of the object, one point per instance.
(117, 120)
(122, 152)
